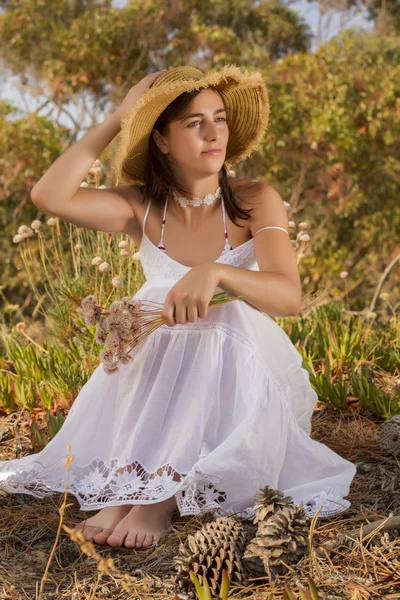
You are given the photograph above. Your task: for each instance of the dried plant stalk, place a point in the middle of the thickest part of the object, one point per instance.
(127, 323)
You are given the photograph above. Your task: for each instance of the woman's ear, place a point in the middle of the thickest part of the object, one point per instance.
(159, 141)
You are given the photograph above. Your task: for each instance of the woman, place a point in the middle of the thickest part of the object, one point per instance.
(216, 403)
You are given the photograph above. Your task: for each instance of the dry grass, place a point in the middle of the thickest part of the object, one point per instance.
(360, 566)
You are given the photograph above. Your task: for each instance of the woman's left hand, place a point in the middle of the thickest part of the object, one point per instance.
(191, 295)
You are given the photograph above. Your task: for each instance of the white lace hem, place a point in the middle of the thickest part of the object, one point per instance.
(98, 485)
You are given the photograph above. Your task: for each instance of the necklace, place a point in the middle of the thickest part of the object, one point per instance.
(208, 199)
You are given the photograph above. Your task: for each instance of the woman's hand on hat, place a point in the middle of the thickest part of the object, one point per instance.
(136, 92)
(189, 298)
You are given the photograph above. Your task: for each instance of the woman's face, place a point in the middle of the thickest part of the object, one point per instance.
(190, 136)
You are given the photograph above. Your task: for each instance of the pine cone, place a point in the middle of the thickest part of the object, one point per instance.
(268, 502)
(389, 435)
(280, 539)
(217, 545)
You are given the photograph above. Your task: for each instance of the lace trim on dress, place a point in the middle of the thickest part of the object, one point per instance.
(98, 485)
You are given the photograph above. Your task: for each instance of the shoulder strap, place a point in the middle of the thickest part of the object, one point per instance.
(225, 226)
(161, 243)
(145, 215)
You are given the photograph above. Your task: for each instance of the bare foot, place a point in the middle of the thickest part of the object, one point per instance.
(99, 527)
(144, 525)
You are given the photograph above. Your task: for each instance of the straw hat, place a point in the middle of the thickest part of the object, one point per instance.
(246, 101)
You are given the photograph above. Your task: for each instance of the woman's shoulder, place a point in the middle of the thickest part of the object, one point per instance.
(246, 184)
(246, 190)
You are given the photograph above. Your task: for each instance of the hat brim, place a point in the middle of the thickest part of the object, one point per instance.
(247, 110)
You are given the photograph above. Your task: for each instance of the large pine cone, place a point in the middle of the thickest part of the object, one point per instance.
(389, 435)
(217, 545)
(280, 539)
(268, 502)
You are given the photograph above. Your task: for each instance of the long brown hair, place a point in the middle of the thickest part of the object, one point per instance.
(160, 179)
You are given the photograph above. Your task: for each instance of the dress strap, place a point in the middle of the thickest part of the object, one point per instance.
(145, 216)
(161, 242)
(227, 242)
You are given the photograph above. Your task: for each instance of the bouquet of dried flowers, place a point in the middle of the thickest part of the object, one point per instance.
(126, 323)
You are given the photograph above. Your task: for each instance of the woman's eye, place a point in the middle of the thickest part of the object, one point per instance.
(194, 122)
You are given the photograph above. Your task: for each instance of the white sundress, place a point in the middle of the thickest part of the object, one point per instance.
(209, 412)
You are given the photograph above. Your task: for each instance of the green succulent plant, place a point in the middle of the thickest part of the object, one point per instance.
(310, 594)
(203, 592)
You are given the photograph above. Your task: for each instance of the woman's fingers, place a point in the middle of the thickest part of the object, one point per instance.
(184, 310)
(192, 312)
(180, 313)
(168, 314)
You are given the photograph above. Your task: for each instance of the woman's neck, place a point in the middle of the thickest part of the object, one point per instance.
(192, 216)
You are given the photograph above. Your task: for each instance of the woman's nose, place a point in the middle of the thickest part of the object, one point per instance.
(212, 131)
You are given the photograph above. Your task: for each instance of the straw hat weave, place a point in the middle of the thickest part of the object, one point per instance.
(247, 111)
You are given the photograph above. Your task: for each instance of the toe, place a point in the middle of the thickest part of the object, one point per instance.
(148, 541)
(139, 539)
(131, 540)
(101, 537)
(115, 540)
(90, 532)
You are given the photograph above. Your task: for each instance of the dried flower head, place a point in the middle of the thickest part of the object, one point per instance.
(125, 252)
(117, 282)
(78, 247)
(123, 244)
(104, 266)
(101, 334)
(136, 256)
(303, 237)
(18, 238)
(88, 302)
(92, 316)
(303, 226)
(113, 341)
(25, 231)
(52, 222)
(343, 275)
(97, 260)
(37, 225)
(116, 306)
(84, 184)
(292, 225)
(20, 327)
(95, 171)
(287, 205)
(96, 168)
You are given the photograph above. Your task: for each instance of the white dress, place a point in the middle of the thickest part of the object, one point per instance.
(209, 412)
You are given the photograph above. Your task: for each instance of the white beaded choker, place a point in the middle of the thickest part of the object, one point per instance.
(208, 199)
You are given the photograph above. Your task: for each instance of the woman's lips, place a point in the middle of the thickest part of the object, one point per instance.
(213, 152)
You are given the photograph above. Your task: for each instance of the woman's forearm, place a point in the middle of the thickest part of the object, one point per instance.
(272, 293)
(62, 179)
